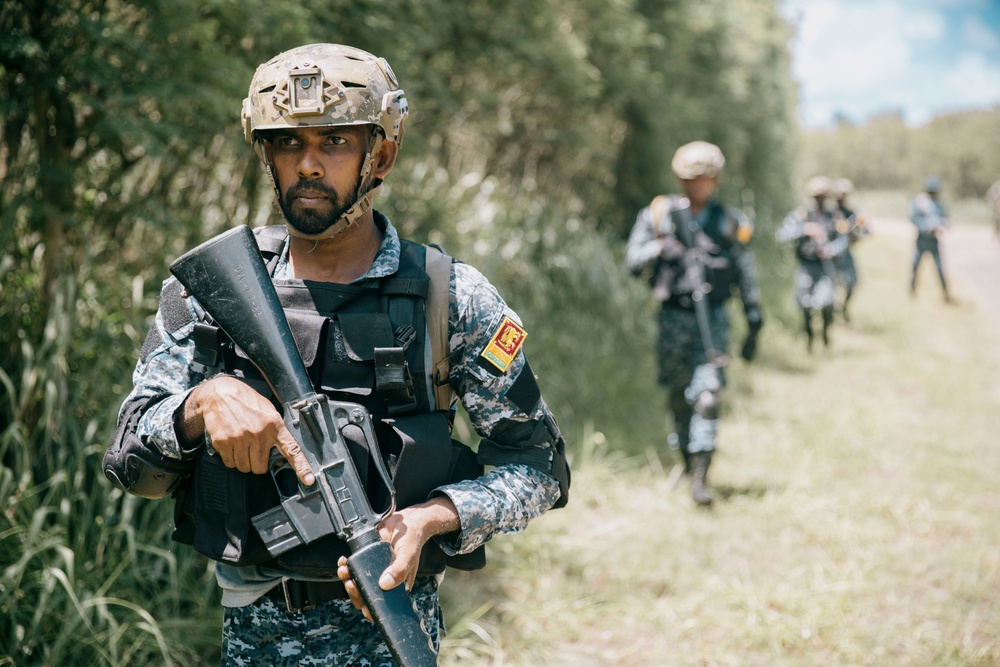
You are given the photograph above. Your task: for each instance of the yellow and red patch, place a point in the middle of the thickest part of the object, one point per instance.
(504, 345)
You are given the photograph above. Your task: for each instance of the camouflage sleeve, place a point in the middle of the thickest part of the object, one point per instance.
(163, 369)
(643, 247)
(497, 388)
(917, 216)
(746, 275)
(791, 228)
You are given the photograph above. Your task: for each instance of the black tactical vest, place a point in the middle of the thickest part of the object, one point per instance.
(807, 249)
(363, 343)
(719, 271)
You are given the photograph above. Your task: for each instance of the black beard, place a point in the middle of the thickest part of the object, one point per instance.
(311, 221)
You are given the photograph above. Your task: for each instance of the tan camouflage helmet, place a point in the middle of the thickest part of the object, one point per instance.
(321, 85)
(818, 186)
(842, 187)
(326, 85)
(698, 158)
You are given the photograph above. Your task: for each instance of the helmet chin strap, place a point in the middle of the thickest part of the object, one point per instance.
(362, 199)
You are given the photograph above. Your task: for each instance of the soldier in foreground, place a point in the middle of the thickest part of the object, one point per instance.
(380, 324)
(853, 225)
(694, 252)
(818, 245)
(928, 215)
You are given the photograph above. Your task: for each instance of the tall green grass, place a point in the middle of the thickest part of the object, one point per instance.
(87, 575)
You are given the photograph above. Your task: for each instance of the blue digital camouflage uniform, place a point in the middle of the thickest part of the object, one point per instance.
(816, 274)
(815, 286)
(928, 216)
(653, 247)
(504, 500)
(848, 223)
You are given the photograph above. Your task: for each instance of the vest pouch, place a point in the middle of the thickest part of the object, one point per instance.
(721, 277)
(425, 457)
(350, 358)
(213, 513)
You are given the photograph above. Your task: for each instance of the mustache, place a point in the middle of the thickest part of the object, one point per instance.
(311, 187)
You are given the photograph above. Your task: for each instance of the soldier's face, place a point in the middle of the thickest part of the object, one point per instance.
(699, 189)
(317, 169)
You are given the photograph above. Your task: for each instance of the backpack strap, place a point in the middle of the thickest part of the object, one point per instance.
(438, 268)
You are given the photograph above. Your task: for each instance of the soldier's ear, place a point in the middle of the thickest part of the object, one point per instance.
(385, 159)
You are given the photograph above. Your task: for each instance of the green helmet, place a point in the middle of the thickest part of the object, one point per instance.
(325, 85)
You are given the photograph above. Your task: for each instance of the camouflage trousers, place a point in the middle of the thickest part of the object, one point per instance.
(847, 269)
(928, 244)
(681, 352)
(814, 286)
(334, 634)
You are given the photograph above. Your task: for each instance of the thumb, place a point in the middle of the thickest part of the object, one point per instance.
(392, 576)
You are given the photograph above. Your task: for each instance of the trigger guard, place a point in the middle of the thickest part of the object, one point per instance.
(274, 457)
(280, 468)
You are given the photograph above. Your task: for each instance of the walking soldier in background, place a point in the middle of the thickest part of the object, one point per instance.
(818, 245)
(928, 216)
(854, 225)
(694, 252)
(395, 330)
(993, 197)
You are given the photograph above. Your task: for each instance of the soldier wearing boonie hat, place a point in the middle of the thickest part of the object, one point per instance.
(659, 250)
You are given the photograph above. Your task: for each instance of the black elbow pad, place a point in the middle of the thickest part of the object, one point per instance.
(538, 444)
(136, 467)
(131, 469)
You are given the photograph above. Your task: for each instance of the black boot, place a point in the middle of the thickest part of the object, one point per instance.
(699, 473)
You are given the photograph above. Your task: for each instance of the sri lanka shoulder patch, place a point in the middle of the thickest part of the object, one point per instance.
(504, 345)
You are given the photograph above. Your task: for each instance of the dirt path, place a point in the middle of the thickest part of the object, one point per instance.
(971, 255)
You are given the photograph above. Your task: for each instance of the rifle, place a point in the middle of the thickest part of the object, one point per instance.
(706, 381)
(228, 277)
(694, 276)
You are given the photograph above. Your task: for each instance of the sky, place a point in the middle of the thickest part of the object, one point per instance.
(921, 57)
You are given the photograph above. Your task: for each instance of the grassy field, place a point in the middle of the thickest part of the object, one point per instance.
(856, 519)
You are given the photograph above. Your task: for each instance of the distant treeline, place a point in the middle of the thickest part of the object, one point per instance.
(962, 149)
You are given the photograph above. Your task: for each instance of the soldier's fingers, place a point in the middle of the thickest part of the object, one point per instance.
(225, 451)
(344, 573)
(403, 567)
(241, 457)
(259, 459)
(292, 452)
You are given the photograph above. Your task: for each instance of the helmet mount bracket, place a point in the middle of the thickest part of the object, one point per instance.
(307, 92)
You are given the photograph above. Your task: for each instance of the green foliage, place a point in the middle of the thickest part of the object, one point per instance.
(962, 149)
(538, 129)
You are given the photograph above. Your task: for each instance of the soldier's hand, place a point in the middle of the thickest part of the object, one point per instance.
(407, 530)
(814, 231)
(242, 426)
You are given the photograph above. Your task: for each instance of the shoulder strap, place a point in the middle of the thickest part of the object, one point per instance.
(270, 239)
(438, 267)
